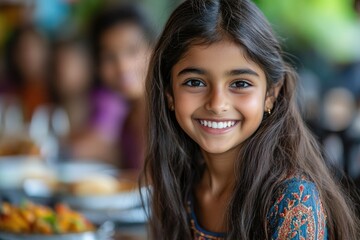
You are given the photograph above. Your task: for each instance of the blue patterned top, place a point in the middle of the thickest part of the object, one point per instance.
(296, 213)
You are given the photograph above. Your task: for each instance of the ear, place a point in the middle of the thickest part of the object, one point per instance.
(170, 100)
(271, 95)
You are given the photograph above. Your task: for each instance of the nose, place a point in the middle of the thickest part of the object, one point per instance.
(217, 102)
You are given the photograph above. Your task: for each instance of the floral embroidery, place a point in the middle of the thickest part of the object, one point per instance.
(297, 213)
(198, 235)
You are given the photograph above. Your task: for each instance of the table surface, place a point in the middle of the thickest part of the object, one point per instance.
(131, 232)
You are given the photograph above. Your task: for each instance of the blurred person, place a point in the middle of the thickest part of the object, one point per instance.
(27, 66)
(72, 68)
(339, 109)
(122, 38)
(309, 99)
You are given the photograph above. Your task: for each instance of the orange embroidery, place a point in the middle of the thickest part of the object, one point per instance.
(298, 215)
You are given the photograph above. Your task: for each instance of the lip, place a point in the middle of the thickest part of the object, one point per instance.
(216, 130)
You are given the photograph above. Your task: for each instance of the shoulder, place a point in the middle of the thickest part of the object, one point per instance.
(296, 211)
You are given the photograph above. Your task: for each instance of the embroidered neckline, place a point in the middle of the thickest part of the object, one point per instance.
(198, 230)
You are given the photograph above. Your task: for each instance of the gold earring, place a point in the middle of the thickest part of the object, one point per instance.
(269, 111)
(172, 108)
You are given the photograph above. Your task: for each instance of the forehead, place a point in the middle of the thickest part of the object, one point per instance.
(223, 56)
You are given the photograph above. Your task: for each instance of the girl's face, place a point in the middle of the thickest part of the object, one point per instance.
(219, 96)
(124, 59)
(31, 55)
(73, 71)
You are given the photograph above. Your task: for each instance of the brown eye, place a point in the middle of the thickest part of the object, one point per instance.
(194, 83)
(240, 84)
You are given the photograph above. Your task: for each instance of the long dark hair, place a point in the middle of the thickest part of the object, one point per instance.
(281, 145)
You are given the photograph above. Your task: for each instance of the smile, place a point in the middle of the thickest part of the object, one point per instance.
(217, 124)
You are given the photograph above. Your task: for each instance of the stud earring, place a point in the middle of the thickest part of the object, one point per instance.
(269, 111)
(172, 108)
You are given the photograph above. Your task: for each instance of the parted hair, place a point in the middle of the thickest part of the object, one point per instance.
(281, 145)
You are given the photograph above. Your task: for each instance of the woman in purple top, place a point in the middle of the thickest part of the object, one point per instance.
(122, 44)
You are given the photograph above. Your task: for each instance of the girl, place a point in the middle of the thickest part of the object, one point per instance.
(229, 156)
(27, 60)
(122, 40)
(70, 86)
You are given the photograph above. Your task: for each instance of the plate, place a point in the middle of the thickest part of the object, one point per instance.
(123, 217)
(73, 170)
(104, 232)
(123, 208)
(13, 170)
(119, 201)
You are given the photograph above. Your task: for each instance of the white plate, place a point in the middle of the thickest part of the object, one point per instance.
(76, 169)
(129, 216)
(120, 201)
(13, 169)
(124, 200)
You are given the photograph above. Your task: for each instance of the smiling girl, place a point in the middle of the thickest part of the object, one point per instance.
(229, 156)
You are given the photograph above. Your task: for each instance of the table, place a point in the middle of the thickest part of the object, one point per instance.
(131, 232)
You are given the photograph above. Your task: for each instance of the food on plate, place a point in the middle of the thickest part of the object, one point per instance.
(99, 184)
(126, 185)
(18, 146)
(31, 218)
(37, 173)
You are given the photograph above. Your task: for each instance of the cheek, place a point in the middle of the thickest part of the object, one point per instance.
(185, 106)
(140, 62)
(144, 64)
(251, 106)
(139, 66)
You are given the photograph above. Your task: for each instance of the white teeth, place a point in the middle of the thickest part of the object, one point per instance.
(217, 125)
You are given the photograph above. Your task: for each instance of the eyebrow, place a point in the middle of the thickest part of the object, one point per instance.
(192, 70)
(242, 71)
(234, 72)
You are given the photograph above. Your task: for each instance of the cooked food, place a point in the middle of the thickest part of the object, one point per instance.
(126, 185)
(99, 184)
(32, 218)
(18, 146)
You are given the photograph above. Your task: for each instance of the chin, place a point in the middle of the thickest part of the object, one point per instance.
(216, 150)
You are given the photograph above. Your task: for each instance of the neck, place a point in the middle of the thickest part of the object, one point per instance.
(219, 175)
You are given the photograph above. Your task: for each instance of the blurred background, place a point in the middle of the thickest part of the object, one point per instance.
(71, 89)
